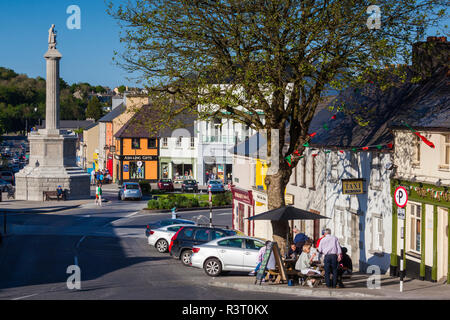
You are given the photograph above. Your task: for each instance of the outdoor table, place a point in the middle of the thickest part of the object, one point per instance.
(289, 263)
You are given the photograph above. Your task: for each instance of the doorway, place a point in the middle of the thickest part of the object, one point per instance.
(442, 247)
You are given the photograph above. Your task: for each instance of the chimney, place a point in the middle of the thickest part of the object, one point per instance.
(430, 55)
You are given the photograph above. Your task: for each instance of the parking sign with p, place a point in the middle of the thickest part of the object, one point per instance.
(401, 197)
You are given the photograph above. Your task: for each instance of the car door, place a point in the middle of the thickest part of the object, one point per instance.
(231, 252)
(251, 253)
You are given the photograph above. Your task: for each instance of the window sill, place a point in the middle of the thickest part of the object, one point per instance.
(413, 254)
(444, 168)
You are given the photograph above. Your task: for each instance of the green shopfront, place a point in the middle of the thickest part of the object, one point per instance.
(426, 241)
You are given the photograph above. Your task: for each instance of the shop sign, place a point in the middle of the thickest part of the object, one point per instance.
(136, 158)
(242, 196)
(288, 199)
(352, 186)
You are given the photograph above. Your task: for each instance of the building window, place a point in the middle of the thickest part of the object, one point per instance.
(303, 173)
(179, 139)
(192, 142)
(377, 233)
(445, 158)
(164, 142)
(135, 143)
(136, 172)
(312, 184)
(375, 175)
(334, 169)
(151, 143)
(339, 225)
(294, 176)
(417, 151)
(415, 219)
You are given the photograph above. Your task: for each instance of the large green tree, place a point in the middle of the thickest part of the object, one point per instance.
(94, 109)
(277, 58)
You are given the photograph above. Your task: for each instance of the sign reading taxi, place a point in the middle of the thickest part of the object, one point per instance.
(352, 186)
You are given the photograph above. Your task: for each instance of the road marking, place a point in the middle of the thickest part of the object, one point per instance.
(81, 240)
(132, 214)
(24, 297)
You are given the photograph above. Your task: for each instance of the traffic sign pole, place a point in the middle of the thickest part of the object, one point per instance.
(401, 199)
(210, 207)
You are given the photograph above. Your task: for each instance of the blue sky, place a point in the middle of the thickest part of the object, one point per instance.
(87, 53)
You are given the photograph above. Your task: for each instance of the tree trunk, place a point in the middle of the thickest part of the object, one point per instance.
(276, 185)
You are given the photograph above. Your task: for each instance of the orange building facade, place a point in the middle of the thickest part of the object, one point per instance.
(137, 159)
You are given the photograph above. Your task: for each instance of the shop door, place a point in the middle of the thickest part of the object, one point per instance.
(109, 166)
(442, 229)
(241, 217)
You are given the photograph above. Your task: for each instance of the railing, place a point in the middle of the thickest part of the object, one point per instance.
(222, 139)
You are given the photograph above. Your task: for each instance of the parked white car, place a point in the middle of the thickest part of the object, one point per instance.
(160, 237)
(236, 253)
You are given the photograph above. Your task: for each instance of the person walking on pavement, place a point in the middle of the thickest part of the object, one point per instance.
(98, 195)
(331, 249)
(92, 178)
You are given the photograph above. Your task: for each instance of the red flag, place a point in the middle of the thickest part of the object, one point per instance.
(389, 145)
(428, 142)
(365, 148)
(313, 134)
(333, 117)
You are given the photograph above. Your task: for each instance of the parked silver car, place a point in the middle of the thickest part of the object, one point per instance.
(235, 253)
(130, 190)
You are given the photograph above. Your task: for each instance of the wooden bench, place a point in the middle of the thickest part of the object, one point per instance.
(48, 195)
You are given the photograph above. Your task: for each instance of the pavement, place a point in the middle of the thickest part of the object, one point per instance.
(355, 288)
(119, 225)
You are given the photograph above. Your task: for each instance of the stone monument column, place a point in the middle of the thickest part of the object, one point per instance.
(52, 113)
(52, 57)
(52, 150)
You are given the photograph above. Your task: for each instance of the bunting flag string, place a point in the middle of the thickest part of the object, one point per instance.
(425, 140)
(325, 126)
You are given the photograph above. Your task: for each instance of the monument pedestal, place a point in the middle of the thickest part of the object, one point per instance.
(52, 163)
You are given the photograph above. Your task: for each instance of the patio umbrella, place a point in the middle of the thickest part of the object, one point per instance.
(287, 213)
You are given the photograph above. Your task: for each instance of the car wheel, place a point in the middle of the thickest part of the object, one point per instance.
(212, 267)
(186, 257)
(161, 246)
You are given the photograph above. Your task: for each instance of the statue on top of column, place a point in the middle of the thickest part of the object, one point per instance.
(52, 37)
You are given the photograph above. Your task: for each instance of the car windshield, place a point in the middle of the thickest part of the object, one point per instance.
(189, 181)
(131, 186)
(214, 182)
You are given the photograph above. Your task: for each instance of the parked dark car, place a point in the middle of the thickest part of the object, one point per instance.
(165, 184)
(187, 237)
(189, 185)
(165, 222)
(7, 175)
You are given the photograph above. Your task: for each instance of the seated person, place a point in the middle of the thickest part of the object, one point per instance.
(345, 266)
(313, 251)
(293, 252)
(60, 193)
(304, 263)
(299, 239)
